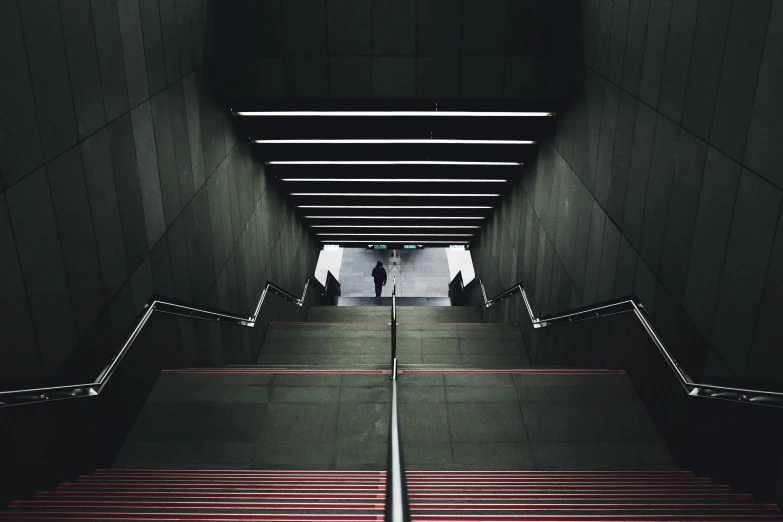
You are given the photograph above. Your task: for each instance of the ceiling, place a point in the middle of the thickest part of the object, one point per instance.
(437, 56)
(428, 192)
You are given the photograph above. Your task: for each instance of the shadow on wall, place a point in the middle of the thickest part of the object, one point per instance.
(130, 181)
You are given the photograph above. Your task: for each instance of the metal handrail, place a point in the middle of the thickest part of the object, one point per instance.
(631, 304)
(394, 328)
(397, 506)
(155, 304)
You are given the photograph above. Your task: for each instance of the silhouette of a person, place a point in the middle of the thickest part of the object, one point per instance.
(379, 275)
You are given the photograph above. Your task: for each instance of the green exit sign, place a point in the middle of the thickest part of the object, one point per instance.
(412, 246)
(378, 247)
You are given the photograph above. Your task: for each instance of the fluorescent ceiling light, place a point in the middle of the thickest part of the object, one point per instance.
(385, 240)
(394, 194)
(399, 180)
(395, 206)
(393, 217)
(410, 235)
(427, 162)
(398, 141)
(458, 114)
(394, 226)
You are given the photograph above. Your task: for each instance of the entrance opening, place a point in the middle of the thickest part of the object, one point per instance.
(421, 272)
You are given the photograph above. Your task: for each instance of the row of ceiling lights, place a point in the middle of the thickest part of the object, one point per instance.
(395, 180)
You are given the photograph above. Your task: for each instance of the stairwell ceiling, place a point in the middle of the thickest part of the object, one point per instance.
(404, 117)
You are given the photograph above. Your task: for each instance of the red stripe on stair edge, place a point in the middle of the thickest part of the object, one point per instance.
(400, 371)
(143, 471)
(382, 487)
(149, 504)
(412, 496)
(413, 480)
(295, 517)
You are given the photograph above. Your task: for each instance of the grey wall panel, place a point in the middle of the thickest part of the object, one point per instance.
(765, 358)
(656, 206)
(178, 251)
(437, 77)
(350, 77)
(111, 61)
(102, 193)
(482, 77)
(305, 27)
(679, 41)
(617, 45)
(710, 236)
(166, 157)
(83, 67)
(171, 49)
(77, 237)
(765, 135)
(19, 358)
(654, 51)
(20, 148)
(48, 67)
(179, 128)
(439, 27)
(40, 255)
(142, 285)
(394, 76)
(634, 45)
(133, 51)
(683, 207)
(480, 21)
(603, 36)
(194, 131)
(184, 35)
(747, 256)
(126, 178)
(609, 254)
(149, 178)
(394, 27)
(739, 74)
(606, 143)
(153, 45)
(349, 27)
(704, 73)
(621, 158)
(594, 249)
(307, 77)
(638, 174)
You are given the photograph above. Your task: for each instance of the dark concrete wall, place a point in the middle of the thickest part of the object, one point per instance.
(397, 48)
(120, 176)
(663, 180)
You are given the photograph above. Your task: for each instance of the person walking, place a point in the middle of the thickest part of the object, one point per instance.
(379, 276)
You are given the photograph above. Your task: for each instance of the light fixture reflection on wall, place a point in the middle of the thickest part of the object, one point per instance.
(394, 226)
(393, 217)
(374, 114)
(396, 180)
(385, 141)
(426, 162)
(453, 207)
(393, 194)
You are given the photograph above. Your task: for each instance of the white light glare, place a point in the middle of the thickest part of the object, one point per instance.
(399, 180)
(378, 240)
(394, 226)
(406, 235)
(459, 114)
(397, 141)
(469, 163)
(402, 194)
(394, 217)
(396, 206)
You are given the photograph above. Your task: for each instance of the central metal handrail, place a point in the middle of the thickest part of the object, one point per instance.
(155, 304)
(631, 304)
(397, 506)
(394, 328)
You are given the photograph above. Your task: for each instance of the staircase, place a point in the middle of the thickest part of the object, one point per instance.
(357, 496)
(304, 435)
